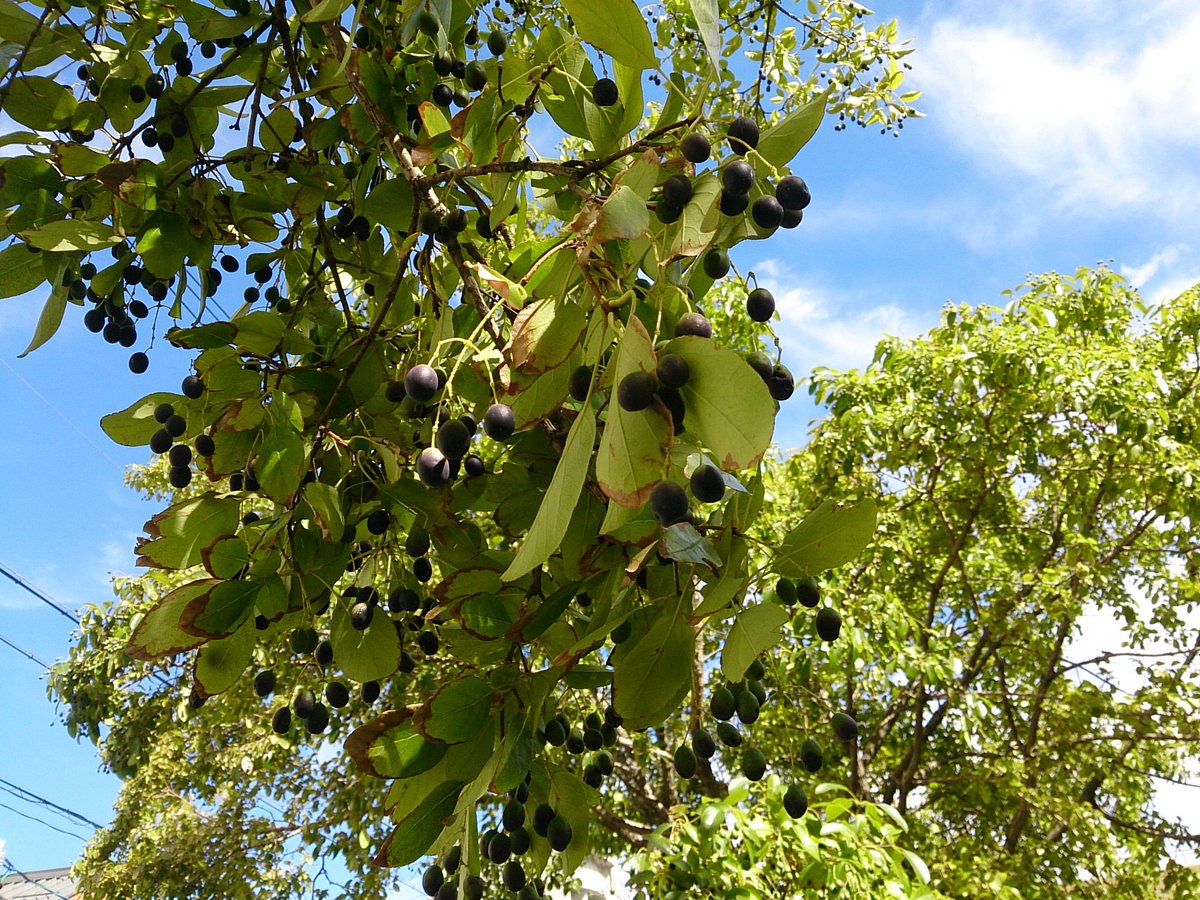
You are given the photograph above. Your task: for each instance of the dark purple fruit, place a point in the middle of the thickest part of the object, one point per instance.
(432, 467)
(708, 485)
(767, 213)
(558, 833)
(324, 653)
(636, 391)
(808, 592)
(369, 692)
(361, 615)
(421, 383)
(422, 569)
(844, 726)
(180, 455)
(791, 218)
(732, 204)
(829, 623)
(760, 305)
(442, 95)
(318, 719)
(761, 363)
(417, 542)
(581, 383)
(604, 92)
(179, 476)
(378, 521)
(175, 426)
(499, 422)
(665, 212)
(811, 755)
(453, 439)
(738, 177)
(673, 371)
(204, 445)
(781, 384)
(743, 135)
(428, 642)
(677, 190)
(715, 263)
(792, 193)
(138, 363)
(264, 683)
(695, 147)
(693, 324)
(669, 503)
(795, 801)
(703, 744)
(281, 722)
(162, 412)
(304, 703)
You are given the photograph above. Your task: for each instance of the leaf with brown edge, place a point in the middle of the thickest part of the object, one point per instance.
(158, 634)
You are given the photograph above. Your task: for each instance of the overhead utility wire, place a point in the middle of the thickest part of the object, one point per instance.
(26, 586)
(53, 893)
(25, 653)
(25, 794)
(25, 815)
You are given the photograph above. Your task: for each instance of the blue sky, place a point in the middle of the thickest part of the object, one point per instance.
(1058, 135)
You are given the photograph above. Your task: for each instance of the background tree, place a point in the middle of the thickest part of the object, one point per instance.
(1032, 464)
(440, 448)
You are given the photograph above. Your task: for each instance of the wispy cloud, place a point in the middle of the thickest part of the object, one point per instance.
(830, 327)
(1098, 114)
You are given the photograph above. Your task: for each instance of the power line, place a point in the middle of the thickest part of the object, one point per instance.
(26, 586)
(25, 653)
(45, 887)
(30, 797)
(43, 822)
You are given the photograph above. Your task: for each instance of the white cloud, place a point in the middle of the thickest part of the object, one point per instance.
(1096, 112)
(830, 328)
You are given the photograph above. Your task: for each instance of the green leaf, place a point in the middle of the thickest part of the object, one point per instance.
(544, 334)
(366, 655)
(728, 406)
(632, 456)
(516, 750)
(574, 801)
(222, 611)
(828, 537)
(40, 103)
(163, 243)
(259, 332)
(48, 321)
(486, 616)
(71, 235)
(158, 634)
(554, 515)
(390, 204)
(134, 425)
(918, 865)
(220, 663)
(783, 140)
(413, 835)
(652, 677)
(387, 747)
(755, 629)
(277, 130)
(280, 462)
(459, 711)
(623, 217)
(683, 543)
(326, 505)
(616, 27)
(226, 556)
(708, 23)
(179, 532)
(326, 11)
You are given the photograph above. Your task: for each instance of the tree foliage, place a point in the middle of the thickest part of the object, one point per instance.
(432, 451)
(1036, 473)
